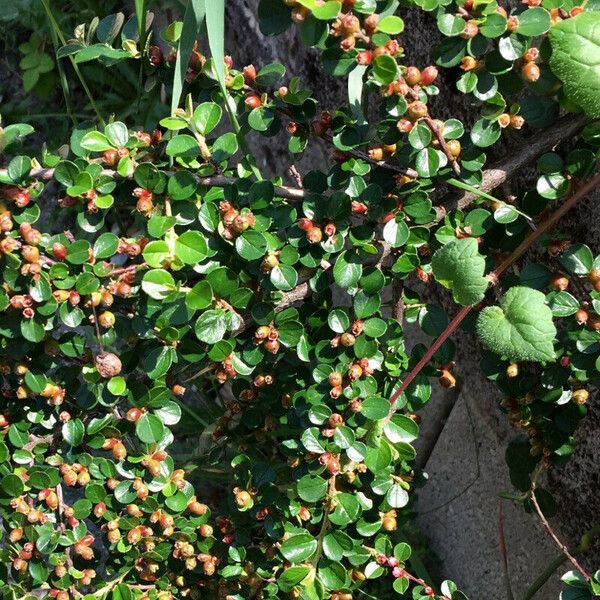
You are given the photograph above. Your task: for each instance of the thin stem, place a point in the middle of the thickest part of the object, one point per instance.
(61, 37)
(289, 193)
(553, 535)
(191, 413)
(98, 336)
(584, 546)
(331, 491)
(61, 72)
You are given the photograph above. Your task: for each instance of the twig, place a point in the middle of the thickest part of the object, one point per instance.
(398, 300)
(215, 181)
(553, 535)
(331, 491)
(509, 593)
(295, 174)
(564, 129)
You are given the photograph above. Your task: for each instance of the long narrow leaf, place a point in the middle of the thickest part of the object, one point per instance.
(215, 26)
(192, 21)
(140, 15)
(355, 92)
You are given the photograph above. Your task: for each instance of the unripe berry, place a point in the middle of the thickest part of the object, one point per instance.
(196, 508)
(470, 31)
(446, 379)
(517, 121)
(106, 319)
(412, 76)
(271, 346)
(253, 101)
(364, 57)
(305, 224)
(314, 235)
(531, 55)
(333, 466)
(580, 396)
(594, 275)
(355, 372)
(504, 120)
(110, 157)
(530, 72)
(559, 282)
(454, 147)
(108, 364)
(347, 340)
(134, 414)
(581, 316)
(389, 524)
(417, 110)
(468, 63)
(205, 530)
(262, 333)
(243, 498)
(335, 379)
(404, 125)
(512, 370)
(268, 263)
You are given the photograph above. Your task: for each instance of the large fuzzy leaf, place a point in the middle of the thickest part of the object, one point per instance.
(459, 266)
(521, 328)
(576, 59)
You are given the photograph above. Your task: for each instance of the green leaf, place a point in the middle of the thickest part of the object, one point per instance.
(211, 326)
(200, 296)
(391, 24)
(311, 488)
(347, 270)
(485, 133)
(183, 146)
(73, 432)
(534, 21)
(158, 284)
(397, 496)
(95, 142)
(575, 59)
(106, 245)
(521, 328)
(284, 277)
(578, 259)
(117, 133)
(206, 117)
(191, 247)
(385, 69)
(156, 253)
(149, 429)
(396, 233)
(18, 168)
(299, 548)
(274, 17)
(428, 162)
(459, 266)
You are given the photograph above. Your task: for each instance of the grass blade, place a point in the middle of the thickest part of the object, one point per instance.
(215, 26)
(192, 21)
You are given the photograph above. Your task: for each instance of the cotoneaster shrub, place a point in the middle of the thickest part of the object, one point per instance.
(170, 287)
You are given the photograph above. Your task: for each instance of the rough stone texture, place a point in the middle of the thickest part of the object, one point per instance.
(461, 523)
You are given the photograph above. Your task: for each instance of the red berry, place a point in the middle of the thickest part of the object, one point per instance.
(429, 75)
